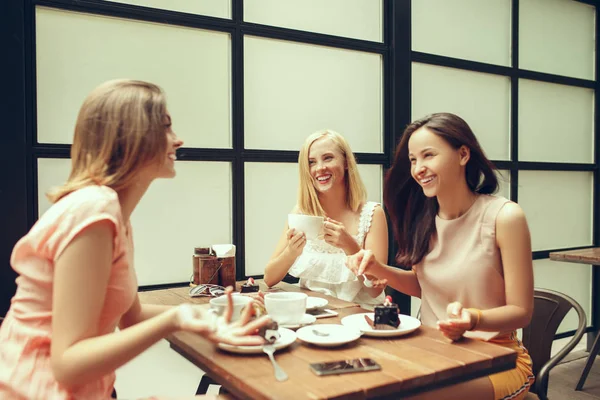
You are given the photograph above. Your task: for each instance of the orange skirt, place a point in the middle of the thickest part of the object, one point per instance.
(513, 384)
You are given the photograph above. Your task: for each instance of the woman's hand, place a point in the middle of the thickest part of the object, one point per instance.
(219, 329)
(335, 234)
(295, 242)
(459, 321)
(363, 262)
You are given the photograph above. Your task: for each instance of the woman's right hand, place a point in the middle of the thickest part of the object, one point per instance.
(296, 241)
(220, 329)
(363, 262)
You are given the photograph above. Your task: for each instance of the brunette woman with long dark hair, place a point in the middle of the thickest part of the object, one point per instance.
(469, 250)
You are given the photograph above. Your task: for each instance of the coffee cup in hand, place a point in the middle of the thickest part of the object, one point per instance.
(311, 225)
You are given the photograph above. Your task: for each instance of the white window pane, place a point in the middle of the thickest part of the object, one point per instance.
(52, 172)
(482, 100)
(359, 19)
(266, 215)
(561, 117)
(463, 38)
(212, 8)
(292, 90)
(373, 180)
(558, 205)
(504, 183)
(571, 279)
(174, 216)
(76, 52)
(557, 36)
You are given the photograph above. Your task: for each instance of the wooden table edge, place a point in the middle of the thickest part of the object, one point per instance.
(504, 363)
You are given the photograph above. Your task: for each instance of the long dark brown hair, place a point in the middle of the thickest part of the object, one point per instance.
(412, 214)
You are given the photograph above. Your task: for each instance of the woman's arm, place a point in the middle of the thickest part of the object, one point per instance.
(377, 241)
(514, 242)
(289, 247)
(140, 312)
(82, 271)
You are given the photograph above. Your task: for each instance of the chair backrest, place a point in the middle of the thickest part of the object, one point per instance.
(549, 310)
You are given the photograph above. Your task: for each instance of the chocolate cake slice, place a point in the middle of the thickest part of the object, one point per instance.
(270, 332)
(249, 287)
(387, 315)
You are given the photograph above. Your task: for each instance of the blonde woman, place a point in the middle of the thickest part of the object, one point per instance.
(330, 186)
(77, 282)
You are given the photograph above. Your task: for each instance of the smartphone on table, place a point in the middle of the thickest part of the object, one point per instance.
(345, 366)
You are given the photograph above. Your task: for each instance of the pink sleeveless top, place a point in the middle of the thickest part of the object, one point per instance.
(26, 333)
(463, 264)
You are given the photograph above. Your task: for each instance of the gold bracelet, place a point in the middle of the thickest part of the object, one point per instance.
(477, 312)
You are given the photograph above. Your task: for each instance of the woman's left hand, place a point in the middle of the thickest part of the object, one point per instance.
(459, 321)
(337, 235)
(220, 329)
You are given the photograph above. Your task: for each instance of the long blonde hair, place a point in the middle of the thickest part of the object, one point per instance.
(120, 128)
(308, 200)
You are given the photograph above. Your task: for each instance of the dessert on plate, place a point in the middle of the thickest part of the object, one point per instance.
(386, 315)
(249, 287)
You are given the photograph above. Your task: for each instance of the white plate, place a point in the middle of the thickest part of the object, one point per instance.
(287, 337)
(407, 325)
(307, 319)
(312, 303)
(337, 335)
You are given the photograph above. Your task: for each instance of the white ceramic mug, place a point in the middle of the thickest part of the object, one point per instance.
(239, 302)
(311, 225)
(286, 308)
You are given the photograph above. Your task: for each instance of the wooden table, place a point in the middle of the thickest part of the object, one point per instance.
(586, 256)
(410, 364)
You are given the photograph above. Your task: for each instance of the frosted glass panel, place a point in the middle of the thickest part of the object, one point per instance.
(173, 217)
(571, 279)
(52, 172)
(483, 100)
(359, 19)
(504, 183)
(557, 36)
(372, 177)
(213, 8)
(266, 215)
(480, 30)
(76, 52)
(268, 202)
(176, 215)
(292, 90)
(556, 122)
(558, 205)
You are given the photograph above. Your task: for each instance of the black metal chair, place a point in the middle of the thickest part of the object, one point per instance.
(550, 308)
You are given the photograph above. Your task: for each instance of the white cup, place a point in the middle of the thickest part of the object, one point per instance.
(311, 225)
(239, 302)
(286, 308)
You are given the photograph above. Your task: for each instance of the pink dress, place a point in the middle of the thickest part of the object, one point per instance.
(26, 333)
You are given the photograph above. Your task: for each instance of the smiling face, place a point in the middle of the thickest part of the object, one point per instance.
(327, 165)
(167, 167)
(435, 164)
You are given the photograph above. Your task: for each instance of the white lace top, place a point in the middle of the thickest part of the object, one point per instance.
(322, 267)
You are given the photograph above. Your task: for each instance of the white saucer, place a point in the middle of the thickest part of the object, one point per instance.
(337, 335)
(312, 303)
(307, 319)
(407, 325)
(287, 337)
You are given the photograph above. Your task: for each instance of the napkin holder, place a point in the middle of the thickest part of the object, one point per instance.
(214, 265)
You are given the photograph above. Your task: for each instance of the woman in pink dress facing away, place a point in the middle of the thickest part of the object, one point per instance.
(470, 251)
(76, 281)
